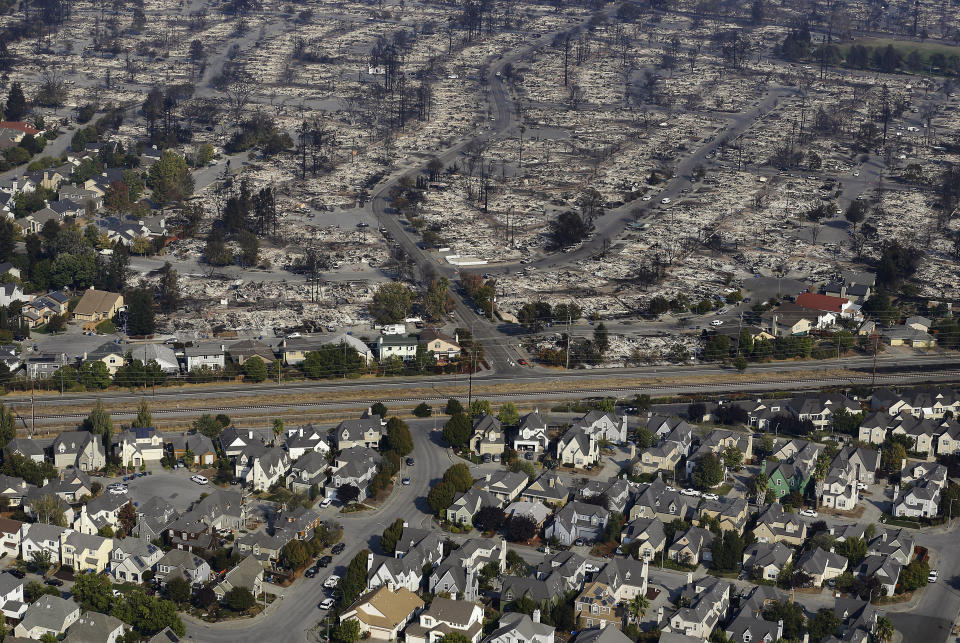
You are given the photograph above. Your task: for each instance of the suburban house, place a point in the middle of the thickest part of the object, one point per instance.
(10, 531)
(466, 505)
(839, 488)
(578, 449)
(177, 562)
(163, 355)
(766, 560)
(885, 568)
(656, 501)
(532, 434)
(109, 354)
(444, 347)
(821, 565)
(504, 485)
(26, 447)
(840, 306)
(97, 305)
(549, 488)
(261, 467)
(926, 402)
(396, 346)
(304, 439)
(707, 601)
(48, 615)
(920, 501)
(488, 437)
(233, 441)
(692, 546)
(80, 449)
(415, 549)
(12, 603)
(248, 573)
(153, 517)
(661, 457)
(138, 445)
(516, 627)
(85, 552)
(747, 628)
(625, 577)
(820, 407)
(604, 426)
(354, 466)
(577, 520)
(647, 533)
(445, 616)
(731, 514)
(245, 349)
(198, 444)
(383, 613)
(774, 525)
(132, 558)
(365, 432)
(102, 511)
(94, 626)
(213, 356)
(596, 606)
(616, 491)
(309, 470)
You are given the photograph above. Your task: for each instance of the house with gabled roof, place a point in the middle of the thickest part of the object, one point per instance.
(12, 602)
(26, 447)
(532, 433)
(85, 552)
(201, 446)
(746, 628)
(446, 616)
(466, 505)
(603, 425)
(820, 407)
(822, 565)
(364, 432)
(549, 488)
(153, 517)
(661, 457)
(131, 558)
(248, 573)
(766, 559)
(97, 305)
(94, 627)
(48, 615)
(577, 520)
(416, 549)
(488, 436)
(233, 440)
(354, 466)
(656, 501)
(383, 613)
(180, 563)
(647, 533)
(596, 606)
(504, 485)
(261, 467)
(308, 470)
(707, 602)
(625, 577)
(516, 627)
(774, 525)
(617, 492)
(577, 448)
(304, 439)
(80, 449)
(692, 546)
(444, 347)
(138, 445)
(730, 513)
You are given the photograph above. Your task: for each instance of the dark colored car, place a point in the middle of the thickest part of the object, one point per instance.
(325, 561)
(55, 582)
(338, 548)
(410, 462)
(310, 573)
(16, 573)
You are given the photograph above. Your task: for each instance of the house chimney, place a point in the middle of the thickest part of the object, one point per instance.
(660, 614)
(779, 629)
(689, 579)
(536, 616)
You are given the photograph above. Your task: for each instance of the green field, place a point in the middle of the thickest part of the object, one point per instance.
(904, 47)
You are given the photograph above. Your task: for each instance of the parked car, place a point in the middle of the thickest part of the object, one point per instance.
(338, 548)
(332, 581)
(325, 502)
(310, 573)
(406, 481)
(410, 462)
(325, 562)
(54, 582)
(809, 513)
(711, 496)
(590, 567)
(16, 573)
(326, 603)
(199, 479)
(862, 486)
(934, 575)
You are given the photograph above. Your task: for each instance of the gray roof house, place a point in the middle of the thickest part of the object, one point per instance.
(94, 627)
(49, 615)
(80, 449)
(577, 520)
(354, 466)
(364, 432)
(515, 627)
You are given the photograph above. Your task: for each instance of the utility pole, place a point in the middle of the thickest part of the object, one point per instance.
(873, 381)
(567, 366)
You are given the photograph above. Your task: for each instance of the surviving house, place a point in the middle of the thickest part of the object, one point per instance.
(578, 449)
(532, 434)
(549, 489)
(488, 436)
(248, 573)
(577, 521)
(97, 305)
(766, 560)
(364, 432)
(139, 445)
(446, 616)
(383, 613)
(821, 565)
(80, 449)
(354, 466)
(604, 426)
(596, 606)
(774, 525)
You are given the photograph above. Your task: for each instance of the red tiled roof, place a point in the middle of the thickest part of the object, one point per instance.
(821, 302)
(17, 125)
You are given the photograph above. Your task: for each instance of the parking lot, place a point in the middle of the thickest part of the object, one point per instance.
(173, 486)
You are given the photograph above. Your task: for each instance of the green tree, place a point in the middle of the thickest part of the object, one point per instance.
(436, 298)
(8, 425)
(141, 318)
(170, 178)
(347, 631)
(457, 431)
(708, 472)
(178, 589)
(277, 427)
(645, 437)
(480, 407)
(16, 106)
(379, 408)
(884, 630)
(915, 575)
(740, 363)
(459, 477)
(398, 437)
(255, 369)
(854, 549)
(440, 497)
(717, 348)
(144, 417)
(792, 616)
(824, 625)
(639, 606)
(295, 554)
(391, 303)
(454, 637)
(49, 509)
(601, 339)
(207, 425)
(239, 599)
(508, 414)
(891, 460)
(423, 410)
(453, 407)
(390, 536)
(732, 457)
(354, 581)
